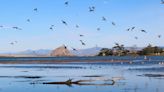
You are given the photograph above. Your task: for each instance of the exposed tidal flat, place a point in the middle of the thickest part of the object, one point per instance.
(83, 74)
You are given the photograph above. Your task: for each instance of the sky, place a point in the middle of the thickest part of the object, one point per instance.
(143, 14)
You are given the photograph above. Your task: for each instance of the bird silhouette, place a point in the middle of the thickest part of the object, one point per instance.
(51, 27)
(114, 24)
(159, 36)
(144, 31)
(133, 28)
(66, 3)
(91, 9)
(104, 19)
(81, 35)
(74, 49)
(1, 26)
(77, 26)
(64, 22)
(82, 42)
(98, 29)
(36, 9)
(136, 37)
(28, 20)
(17, 28)
(128, 29)
(162, 1)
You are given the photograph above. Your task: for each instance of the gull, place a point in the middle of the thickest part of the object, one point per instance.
(1, 26)
(159, 36)
(98, 29)
(143, 31)
(162, 1)
(36, 9)
(17, 28)
(91, 9)
(81, 35)
(104, 19)
(64, 22)
(113, 24)
(77, 26)
(82, 42)
(74, 49)
(128, 29)
(51, 27)
(133, 28)
(28, 20)
(136, 37)
(66, 3)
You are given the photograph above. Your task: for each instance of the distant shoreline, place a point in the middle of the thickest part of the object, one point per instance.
(91, 59)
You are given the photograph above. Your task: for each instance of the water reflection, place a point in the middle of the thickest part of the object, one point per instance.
(85, 77)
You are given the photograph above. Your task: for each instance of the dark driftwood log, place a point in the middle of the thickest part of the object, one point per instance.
(79, 82)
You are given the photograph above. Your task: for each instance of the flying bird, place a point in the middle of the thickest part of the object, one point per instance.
(144, 31)
(114, 24)
(82, 42)
(128, 29)
(91, 9)
(28, 20)
(98, 29)
(74, 49)
(81, 35)
(66, 3)
(64, 22)
(162, 1)
(104, 19)
(136, 37)
(17, 28)
(159, 36)
(77, 26)
(1, 26)
(36, 9)
(133, 28)
(51, 27)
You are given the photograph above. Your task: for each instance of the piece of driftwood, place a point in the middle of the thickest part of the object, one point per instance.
(80, 82)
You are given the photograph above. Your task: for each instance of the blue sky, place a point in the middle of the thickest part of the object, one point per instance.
(143, 14)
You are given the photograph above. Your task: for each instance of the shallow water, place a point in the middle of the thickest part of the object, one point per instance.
(128, 77)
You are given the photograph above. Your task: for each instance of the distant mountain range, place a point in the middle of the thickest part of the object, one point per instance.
(46, 52)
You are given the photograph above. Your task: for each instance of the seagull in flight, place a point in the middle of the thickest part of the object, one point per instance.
(162, 1)
(133, 28)
(91, 9)
(36, 9)
(77, 26)
(28, 20)
(74, 49)
(98, 29)
(66, 3)
(144, 31)
(64, 22)
(17, 28)
(82, 42)
(104, 19)
(51, 27)
(81, 35)
(114, 24)
(159, 36)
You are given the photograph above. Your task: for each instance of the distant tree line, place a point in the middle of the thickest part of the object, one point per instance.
(119, 50)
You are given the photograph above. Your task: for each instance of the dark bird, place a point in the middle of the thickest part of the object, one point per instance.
(1, 26)
(91, 9)
(159, 36)
(51, 27)
(144, 31)
(162, 1)
(28, 20)
(77, 26)
(128, 29)
(82, 42)
(12, 43)
(64, 22)
(136, 37)
(81, 35)
(17, 28)
(104, 19)
(36, 9)
(98, 29)
(74, 49)
(114, 24)
(133, 28)
(66, 3)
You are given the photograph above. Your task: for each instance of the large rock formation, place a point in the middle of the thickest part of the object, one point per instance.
(61, 51)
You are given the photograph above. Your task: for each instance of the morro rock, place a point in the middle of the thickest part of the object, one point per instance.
(61, 51)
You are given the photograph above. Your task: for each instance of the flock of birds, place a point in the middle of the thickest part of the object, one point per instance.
(91, 9)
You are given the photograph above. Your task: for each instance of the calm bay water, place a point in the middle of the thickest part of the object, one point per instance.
(139, 76)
